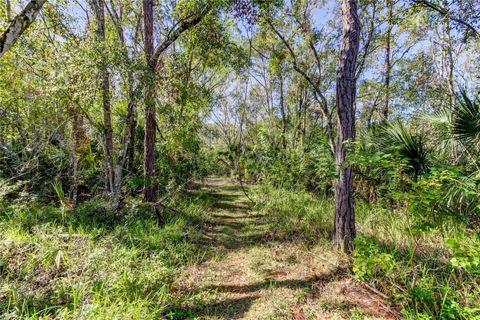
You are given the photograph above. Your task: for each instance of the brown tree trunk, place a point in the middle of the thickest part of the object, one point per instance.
(80, 146)
(346, 88)
(388, 61)
(149, 192)
(19, 24)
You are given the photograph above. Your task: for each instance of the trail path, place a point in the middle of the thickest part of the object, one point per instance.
(252, 276)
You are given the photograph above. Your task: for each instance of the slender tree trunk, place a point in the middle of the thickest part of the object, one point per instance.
(79, 146)
(388, 61)
(74, 158)
(123, 154)
(127, 151)
(9, 10)
(283, 113)
(131, 145)
(149, 192)
(451, 64)
(99, 8)
(346, 89)
(19, 24)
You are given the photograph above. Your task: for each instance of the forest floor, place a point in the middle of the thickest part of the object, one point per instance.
(252, 275)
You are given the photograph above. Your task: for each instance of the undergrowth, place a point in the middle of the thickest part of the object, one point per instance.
(92, 263)
(429, 272)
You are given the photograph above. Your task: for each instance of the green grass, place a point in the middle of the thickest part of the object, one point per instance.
(94, 264)
(422, 271)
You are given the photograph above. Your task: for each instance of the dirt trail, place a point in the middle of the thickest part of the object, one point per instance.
(252, 276)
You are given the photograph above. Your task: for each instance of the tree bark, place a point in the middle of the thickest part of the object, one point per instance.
(9, 10)
(451, 64)
(388, 61)
(153, 57)
(127, 151)
(80, 145)
(149, 191)
(99, 8)
(19, 24)
(283, 113)
(344, 227)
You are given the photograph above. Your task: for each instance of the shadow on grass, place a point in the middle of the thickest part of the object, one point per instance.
(235, 308)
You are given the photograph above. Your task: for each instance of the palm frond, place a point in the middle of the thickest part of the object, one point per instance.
(410, 146)
(465, 124)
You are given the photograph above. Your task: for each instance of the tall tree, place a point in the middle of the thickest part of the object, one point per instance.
(99, 9)
(19, 24)
(150, 132)
(388, 60)
(346, 90)
(153, 55)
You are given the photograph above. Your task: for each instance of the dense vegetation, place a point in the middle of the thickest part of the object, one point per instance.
(347, 131)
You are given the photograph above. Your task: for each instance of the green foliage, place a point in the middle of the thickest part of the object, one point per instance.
(295, 214)
(93, 263)
(465, 255)
(427, 288)
(370, 262)
(445, 194)
(408, 145)
(465, 123)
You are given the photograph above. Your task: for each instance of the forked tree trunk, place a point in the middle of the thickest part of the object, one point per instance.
(19, 24)
(149, 192)
(346, 87)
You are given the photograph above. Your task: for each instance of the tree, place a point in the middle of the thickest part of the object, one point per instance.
(346, 90)
(388, 59)
(153, 56)
(110, 184)
(19, 24)
(150, 132)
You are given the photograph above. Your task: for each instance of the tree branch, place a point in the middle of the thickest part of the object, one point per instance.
(447, 13)
(174, 34)
(19, 24)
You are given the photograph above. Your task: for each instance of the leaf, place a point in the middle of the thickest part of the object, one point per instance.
(58, 259)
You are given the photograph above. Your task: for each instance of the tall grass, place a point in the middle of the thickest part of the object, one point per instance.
(430, 273)
(93, 263)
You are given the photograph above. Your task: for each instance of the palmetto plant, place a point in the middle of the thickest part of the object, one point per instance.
(409, 145)
(465, 120)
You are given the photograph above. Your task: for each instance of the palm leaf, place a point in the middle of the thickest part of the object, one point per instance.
(465, 124)
(410, 146)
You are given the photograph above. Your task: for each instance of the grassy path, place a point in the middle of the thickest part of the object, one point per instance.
(252, 276)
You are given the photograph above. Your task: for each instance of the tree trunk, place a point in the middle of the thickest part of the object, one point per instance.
(80, 145)
(123, 154)
(388, 61)
(451, 65)
(283, 114)
(131, 145)
(99, 8)
(9, 10)
(19, 24)
(149, 192)
(346, 88)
